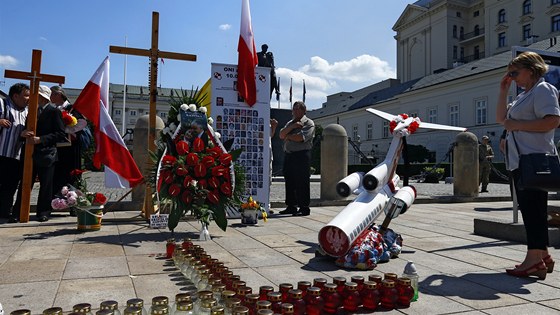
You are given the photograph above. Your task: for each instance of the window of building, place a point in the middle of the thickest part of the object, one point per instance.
(462, 53)
(526, 31)
(526, 7)
(133, 112)
(118, 112)
(369, 131)
(462, 33)
(458, 14)
(432, 115)
(455, 52)
(502, 39)
(163, 115)
(555, 23)
(355, 132)
(454, 114)
(477, 52)
(502, 16)
(454, 31)
(553, 2)
(476, 13)
(481, 111)
(476, 30)
(385, 129)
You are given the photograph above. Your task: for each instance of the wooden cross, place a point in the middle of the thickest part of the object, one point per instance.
(34, 77)
(154, 53)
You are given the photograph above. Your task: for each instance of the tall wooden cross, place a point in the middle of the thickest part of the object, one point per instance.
(34, 77)
(154, 53)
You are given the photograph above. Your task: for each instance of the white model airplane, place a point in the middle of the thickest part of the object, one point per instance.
(377, 190)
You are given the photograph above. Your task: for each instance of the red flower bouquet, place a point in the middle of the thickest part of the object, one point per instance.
(195, 174)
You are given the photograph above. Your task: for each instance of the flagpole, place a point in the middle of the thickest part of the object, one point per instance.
(123, 122)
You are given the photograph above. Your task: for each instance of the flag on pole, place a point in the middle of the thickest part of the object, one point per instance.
(290, 92)
(304, 91)
(120, 169)
(278, 89)
(247, 57)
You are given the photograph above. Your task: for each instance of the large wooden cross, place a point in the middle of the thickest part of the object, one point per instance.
(34, 77)
(154, 53)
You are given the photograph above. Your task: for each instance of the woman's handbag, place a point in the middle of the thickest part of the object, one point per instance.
(540, 171)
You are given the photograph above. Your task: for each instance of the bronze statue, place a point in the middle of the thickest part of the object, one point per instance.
(266, 59)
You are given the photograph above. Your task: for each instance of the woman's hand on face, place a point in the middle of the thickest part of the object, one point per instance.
(505, 83)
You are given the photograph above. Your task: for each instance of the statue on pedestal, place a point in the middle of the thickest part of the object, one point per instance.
(266, 59)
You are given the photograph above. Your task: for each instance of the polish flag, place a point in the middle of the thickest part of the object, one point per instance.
(247, 58)
(120, 169)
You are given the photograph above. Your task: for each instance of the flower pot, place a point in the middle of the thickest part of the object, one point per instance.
(250, 217)
(89, 218)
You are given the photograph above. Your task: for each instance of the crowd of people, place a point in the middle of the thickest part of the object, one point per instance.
(56, 150)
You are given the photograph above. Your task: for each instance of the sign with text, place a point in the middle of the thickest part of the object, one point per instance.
(248, 126)
(159, 221)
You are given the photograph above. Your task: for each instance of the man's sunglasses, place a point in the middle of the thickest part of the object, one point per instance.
(513, 74)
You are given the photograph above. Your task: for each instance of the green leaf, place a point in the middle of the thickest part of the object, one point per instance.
(220, 218)
(174, 217)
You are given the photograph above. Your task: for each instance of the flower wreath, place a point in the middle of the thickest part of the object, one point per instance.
(195, 177)
(412, 127)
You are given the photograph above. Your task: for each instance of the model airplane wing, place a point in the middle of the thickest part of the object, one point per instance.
(381, 114)
(440, 127)
(391, 117)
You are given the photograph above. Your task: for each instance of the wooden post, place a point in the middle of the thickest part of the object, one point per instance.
(154, 53)
(34, 77)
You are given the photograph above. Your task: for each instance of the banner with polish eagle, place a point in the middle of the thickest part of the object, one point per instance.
(121, 170)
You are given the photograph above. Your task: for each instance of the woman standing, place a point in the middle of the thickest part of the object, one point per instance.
(530, 121)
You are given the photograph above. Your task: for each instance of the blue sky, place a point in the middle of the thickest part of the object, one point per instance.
(334, 45)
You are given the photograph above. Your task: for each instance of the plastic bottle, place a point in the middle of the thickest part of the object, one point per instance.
(411, 273)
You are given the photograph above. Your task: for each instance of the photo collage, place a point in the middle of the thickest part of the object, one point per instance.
(246, 127)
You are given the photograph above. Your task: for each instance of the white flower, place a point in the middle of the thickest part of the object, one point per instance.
(210, 120)
(172, 127)
(193, 183)
(184, 107)
(192, 107)
(202, 109)
(218, 135)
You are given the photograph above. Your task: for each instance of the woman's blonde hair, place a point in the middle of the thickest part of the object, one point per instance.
(532, 61)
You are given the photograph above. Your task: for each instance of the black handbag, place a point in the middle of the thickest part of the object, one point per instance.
(538, 171)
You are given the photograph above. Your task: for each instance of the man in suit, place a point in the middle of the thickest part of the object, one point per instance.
(50, 130)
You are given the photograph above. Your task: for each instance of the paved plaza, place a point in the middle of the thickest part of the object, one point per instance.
(52, 264)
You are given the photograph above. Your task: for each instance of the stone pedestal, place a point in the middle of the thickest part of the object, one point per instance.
(465, 165)
(141, 155)
(334, 160)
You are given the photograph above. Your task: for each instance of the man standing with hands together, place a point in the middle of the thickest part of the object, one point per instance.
(298, 140)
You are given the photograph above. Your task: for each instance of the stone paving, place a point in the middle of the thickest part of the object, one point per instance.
(52, 264)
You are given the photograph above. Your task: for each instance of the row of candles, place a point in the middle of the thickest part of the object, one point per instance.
(318, 297)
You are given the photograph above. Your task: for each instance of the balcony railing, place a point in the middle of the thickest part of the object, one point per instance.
(473, 34)
(471, 58)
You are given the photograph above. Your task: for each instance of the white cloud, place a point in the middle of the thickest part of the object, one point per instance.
(8, 61)
(364, 68)
(225, 27)
(323, 78)
(43, 38)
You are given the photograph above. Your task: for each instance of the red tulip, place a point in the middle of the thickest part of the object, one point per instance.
(213, 182)
(198, 145)
(225, 159)
(225, 188)
(214, 152)
(182, 147)
(213, 197)
(167, 177)
(186, 196)
(202, 183)
(208, 161)
(174, 190)
(187, 181)
(219, 170)
(181, 170)
(168, 160)
(200, 171)
(192, 159)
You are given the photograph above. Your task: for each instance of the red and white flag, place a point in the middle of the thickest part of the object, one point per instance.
(247, 58)
(121, 170)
